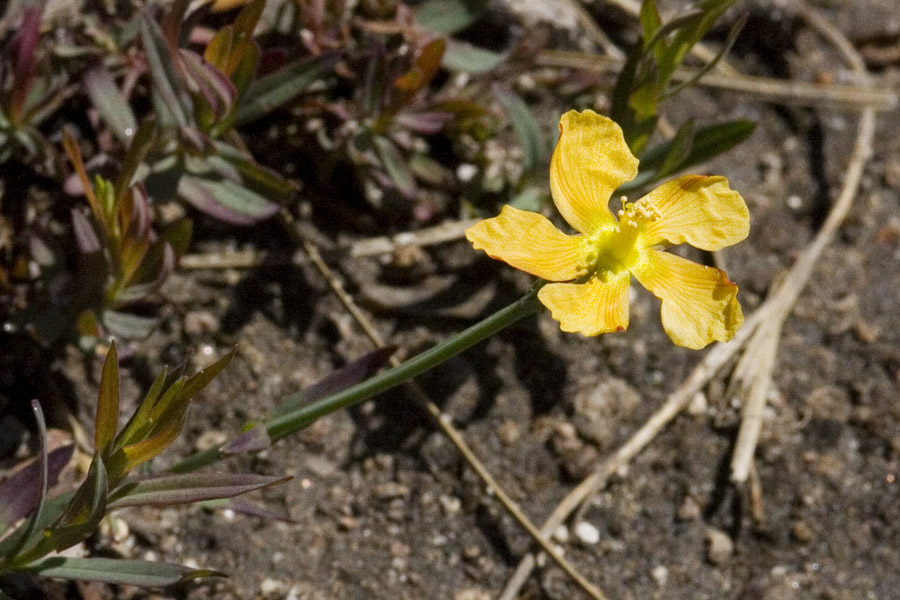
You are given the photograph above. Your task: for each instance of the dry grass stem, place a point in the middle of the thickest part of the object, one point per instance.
(248, 259)
(798, 93)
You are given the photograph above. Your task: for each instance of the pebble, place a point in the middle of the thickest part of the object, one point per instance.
(601, 409)
(587, 533)
(472, 594)
(200, 321)
(802, 532)
(719, 546)
(508, 432)
(689, 510)
(561, 534)
(209, 439)
(389, 490)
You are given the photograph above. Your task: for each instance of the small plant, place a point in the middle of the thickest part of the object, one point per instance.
(51, 525)
(29, 92)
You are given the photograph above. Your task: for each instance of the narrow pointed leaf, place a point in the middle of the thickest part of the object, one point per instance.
(138, 420)
(189, 488)
(351, 374)
(70, 144)
(141, 143)
(138, 453)
(708, 142)
(82, 515)
(107, 420)
(534, 148)
(202, 378)
(115, 570)
(395, 165)
(170, 96)
(277, 89)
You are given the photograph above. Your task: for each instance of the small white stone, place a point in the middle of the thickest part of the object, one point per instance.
(561, 534)
(794, 202)
(466, 171)
(660, 575)
(587, 533)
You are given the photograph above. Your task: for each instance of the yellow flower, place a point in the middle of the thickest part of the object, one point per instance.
(594, 268)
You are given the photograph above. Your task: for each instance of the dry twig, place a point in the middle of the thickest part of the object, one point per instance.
(799, 93)
(757, 365)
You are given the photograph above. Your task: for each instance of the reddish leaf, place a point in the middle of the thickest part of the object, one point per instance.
(188, 488)
(426, 66)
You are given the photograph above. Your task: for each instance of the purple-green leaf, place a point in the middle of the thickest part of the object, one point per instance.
(188, 488)
(108, 402)
(277, 89)
(226, 200)
(121, 571)
(171, 97)
(350, 374)
(20, 493)
(110, 103)
(252, 440)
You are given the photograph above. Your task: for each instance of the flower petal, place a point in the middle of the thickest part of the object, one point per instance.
(702, 211)
(590, 308)
(699, 304)
(590, 161)
(529, 241)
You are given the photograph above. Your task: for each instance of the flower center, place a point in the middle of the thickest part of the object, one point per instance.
(635, 215)
(609, 251)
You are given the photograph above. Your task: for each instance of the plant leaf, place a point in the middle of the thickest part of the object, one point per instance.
(225, 200)
(114, 570)
(107, 420)
(708, 142)
(110, 103)
(534, 148)
(127, 325)
(82, 515)
(202, 378)
(448, 16)
(350, 374)
(170, 96)
(464, 57)
(252, 440)
(395, 165)
(277, 89)
(188, 488)
(19, 494)
(42, 476)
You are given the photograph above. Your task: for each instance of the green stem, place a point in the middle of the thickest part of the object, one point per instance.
(294, 421)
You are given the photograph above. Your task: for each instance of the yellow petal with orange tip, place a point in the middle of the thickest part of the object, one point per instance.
(530, 242)
(590, 308)
(701, 211)
(590, 161)
(699, 303)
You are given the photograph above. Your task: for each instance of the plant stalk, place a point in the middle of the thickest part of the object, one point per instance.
(294, 421)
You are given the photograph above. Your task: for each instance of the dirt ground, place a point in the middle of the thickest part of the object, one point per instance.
(383, 507)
